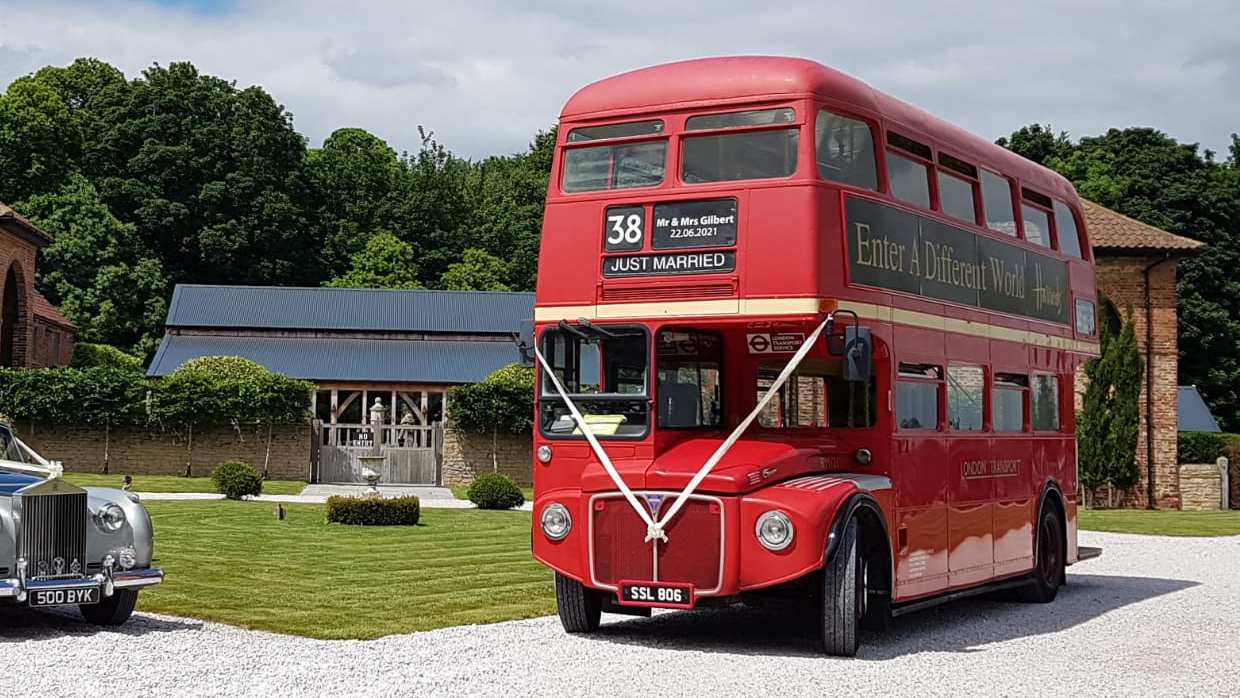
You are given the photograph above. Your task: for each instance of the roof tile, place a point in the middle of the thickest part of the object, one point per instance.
(1111, 231)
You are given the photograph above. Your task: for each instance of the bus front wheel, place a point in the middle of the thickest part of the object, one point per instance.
(843, 596)
(580, 606)
(1048, 573)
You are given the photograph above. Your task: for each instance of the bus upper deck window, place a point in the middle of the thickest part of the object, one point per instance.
(1065, 226)
(997, 203)
(749, 154)
(618, 166)
(909, 180)
(845, 151)
(1037, 218)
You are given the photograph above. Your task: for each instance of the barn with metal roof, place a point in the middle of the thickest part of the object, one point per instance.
(373, 353)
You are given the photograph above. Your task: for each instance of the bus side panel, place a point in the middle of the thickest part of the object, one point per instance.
(1015, 505)
(970, 516)
(921, 535)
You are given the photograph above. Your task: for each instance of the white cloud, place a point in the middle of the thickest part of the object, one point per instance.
(484, 76)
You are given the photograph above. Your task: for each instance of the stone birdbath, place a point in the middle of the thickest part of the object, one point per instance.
(372, 466)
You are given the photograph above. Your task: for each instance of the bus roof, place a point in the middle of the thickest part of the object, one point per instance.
(741, 79)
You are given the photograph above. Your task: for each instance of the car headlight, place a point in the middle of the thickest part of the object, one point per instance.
(110, 518)
(774, 530)
(556, 521)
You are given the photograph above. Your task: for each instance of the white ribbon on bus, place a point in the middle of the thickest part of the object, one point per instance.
(654, 529)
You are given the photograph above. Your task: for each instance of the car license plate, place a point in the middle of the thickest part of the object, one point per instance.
(64, 597)
(656, 594)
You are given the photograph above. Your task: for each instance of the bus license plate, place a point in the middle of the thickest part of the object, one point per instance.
(64, 597)
(662, 595)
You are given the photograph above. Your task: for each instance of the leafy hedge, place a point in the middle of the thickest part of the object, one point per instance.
(235, 480)
(87, 355)
(503, 401)
(116, 396)
(373, 511)
(1207, 447)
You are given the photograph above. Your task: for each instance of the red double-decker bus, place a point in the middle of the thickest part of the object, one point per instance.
(799, 339)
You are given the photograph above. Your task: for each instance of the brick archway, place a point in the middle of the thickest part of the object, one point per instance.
(13, 325)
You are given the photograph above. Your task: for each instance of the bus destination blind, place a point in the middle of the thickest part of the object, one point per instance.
(894, 249)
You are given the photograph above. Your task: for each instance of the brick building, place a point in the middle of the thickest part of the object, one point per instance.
(1136, 266)
(32, 332)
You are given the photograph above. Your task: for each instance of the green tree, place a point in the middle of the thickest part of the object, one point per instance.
(96, 270)
(509, 194)
(37, 140)
(1038, 143)
(477, 271)
(356, 177)
(387, 262)
(1107, 425)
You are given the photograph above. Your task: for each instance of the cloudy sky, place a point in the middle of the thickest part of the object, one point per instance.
(485, 75)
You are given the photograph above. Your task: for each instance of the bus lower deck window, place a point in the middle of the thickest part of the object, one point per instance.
(965, 388)
(1045, 397)
(917, 396)
(1008, 401)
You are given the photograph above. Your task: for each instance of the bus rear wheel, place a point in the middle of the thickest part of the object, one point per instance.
(1048, 574)
(843, 596)
(580, 606)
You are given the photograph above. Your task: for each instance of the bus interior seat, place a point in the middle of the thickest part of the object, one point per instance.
(680, 404)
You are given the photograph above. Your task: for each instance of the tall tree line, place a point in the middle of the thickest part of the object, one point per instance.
(1147, 175)
(179, 177)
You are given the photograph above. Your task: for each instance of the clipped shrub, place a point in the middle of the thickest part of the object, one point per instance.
(221, 367)
(1206, 446)
(373, 511)
(495, 491)
(235, 480)
(87, 355)
(502, 401)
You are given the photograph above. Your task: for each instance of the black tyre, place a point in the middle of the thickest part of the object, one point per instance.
(580, 606)
(843, 596)
(113, 610)
(1048, 573)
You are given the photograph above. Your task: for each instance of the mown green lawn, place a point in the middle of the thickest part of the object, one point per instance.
(172, 483)
(234, 562)
(1161, 523)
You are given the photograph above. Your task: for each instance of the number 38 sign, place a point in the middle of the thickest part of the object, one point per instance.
(625, 228)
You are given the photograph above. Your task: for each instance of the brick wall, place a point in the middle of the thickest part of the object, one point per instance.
(1121, 279)
(1200, 487)
(467, 455)
(53, 344)
(134, 451)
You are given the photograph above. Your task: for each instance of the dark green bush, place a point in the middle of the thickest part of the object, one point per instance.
(87, 355)
(1207, 446)
(495, 491)
(503, 401)
(373, 511)
(235, 480)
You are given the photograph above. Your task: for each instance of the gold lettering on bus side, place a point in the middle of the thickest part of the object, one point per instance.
(1043, 296)
(1009, 280)
(878, 252)
(975, 469)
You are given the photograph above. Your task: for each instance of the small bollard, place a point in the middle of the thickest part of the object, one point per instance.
(279, 512)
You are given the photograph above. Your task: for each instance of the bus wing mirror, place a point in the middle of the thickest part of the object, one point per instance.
(835, 344)
(858, 354)
(525, 344)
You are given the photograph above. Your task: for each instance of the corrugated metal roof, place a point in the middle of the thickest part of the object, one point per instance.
(355, 309)
(1193, 413)
(387, 360)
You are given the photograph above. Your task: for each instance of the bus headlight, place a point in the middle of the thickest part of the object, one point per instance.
(555, 521)
(774, 530)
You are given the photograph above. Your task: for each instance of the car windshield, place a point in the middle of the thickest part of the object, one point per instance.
(9, 449)
(605, 371)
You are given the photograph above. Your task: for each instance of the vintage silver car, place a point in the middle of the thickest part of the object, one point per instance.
(64, 545)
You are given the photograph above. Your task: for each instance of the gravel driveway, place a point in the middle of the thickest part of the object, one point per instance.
(1153, 616)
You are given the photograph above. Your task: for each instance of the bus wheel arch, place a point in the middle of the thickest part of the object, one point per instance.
(1050, 547)
(857, 576)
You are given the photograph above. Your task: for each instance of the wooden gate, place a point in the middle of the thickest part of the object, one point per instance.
(412, 454)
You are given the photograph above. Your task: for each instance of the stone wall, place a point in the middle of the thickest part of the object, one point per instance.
(1122, 280)
(1200, 487)
(1233, 483)
(467, 455)
(151, 451)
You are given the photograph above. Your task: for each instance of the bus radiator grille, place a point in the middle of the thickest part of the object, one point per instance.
(691, 555)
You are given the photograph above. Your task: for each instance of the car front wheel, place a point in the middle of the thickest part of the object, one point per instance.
(113, 610)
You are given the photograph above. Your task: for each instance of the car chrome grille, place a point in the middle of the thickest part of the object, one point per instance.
(53, 535)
